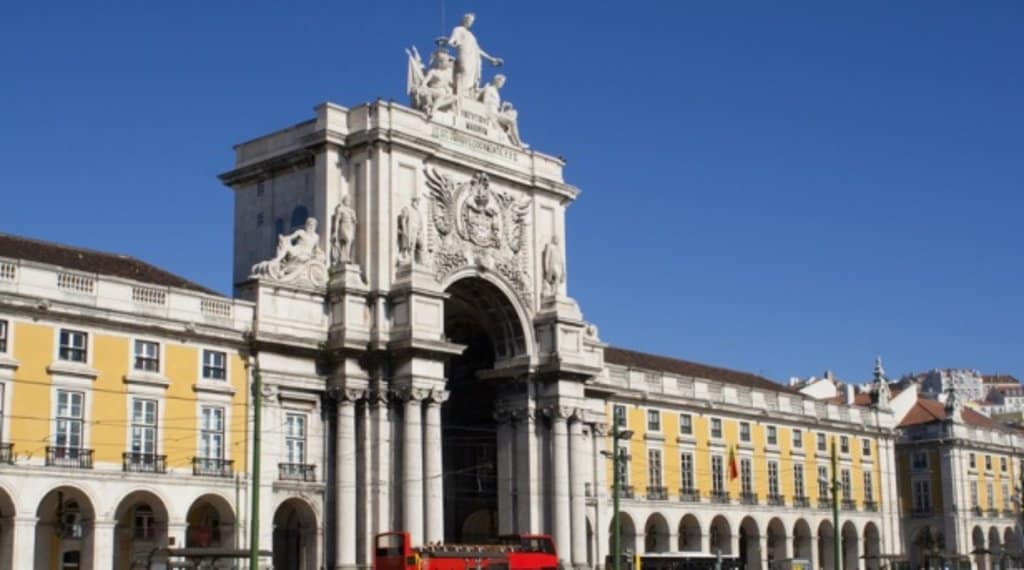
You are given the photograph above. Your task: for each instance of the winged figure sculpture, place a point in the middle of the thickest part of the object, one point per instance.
(442, 189)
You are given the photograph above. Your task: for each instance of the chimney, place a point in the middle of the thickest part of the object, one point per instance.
(848, 388)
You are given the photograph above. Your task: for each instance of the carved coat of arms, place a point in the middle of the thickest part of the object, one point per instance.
(478, 224)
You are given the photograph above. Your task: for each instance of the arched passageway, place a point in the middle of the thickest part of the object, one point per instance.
(141, 529)
(211, 523)
(295, 536)
(64, 531)
(720, 537)
(802, 548)
(826, 538)
(872, 547)
(478, 315)
(689, 534)
(7, 514)
(995, 548)
(850, 548)
(778, 544)
(750, 544)
(925, 547)
(627, 535)
(978, 548)
(656, 534)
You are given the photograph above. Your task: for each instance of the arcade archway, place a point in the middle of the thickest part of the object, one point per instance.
(481, 317)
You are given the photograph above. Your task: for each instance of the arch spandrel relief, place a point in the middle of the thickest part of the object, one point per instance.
(478, 225)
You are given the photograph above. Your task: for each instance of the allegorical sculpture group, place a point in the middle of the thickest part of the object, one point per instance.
(449, 81)
(474, 222)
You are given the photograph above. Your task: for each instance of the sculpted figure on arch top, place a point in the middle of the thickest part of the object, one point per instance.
(468, 62)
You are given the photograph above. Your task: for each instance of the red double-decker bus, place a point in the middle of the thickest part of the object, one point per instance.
(392, 551)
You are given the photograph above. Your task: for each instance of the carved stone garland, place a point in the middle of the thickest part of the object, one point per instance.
(478, 225)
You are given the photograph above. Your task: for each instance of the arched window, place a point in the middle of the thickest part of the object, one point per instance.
(299, 215)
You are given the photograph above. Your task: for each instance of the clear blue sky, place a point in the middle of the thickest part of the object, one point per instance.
(779, 187)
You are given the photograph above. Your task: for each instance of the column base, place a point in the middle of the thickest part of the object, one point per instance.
(581, 566)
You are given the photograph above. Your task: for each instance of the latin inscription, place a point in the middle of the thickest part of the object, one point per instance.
(453, 136)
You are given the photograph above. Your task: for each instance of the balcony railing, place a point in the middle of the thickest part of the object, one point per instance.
(625, 491)
(657, 493)
(849, 505)
(993, 513)
(143, 463)
(210, 467)
(74, 457)
(978, 512)
(720, 497)
(690, 495)
(7, 453)
(296, 472)
(1009, 513)
(871, 506)
(748, 498)
(803, 502)
(824, 503)
(776, 500)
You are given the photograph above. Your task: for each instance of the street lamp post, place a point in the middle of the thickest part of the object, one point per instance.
(617, 455)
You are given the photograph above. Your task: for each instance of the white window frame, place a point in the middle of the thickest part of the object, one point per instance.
(745, 432)
(798, 481)
(771, 436)
(655, 468)
(144, 358)
(865, 447)
(711, 428)
(686, 472)
(846, 484)
(922, 496)
(821, 442)
(975, 496)
(990, 495)
(203, 365)
(63, 423)
(688, 423)
(798, 438)
(620, 416)
(717, 474)
(296, 448)
(5, 336)
(773, 479)
(869, 486)
(656, 415)
(141, 426)
(824, 482)
(85, 348)
(844, 444)
(209, 434)
(746, 476)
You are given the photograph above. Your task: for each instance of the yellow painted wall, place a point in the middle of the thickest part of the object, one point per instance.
(181, 415)
(31, 398)
(107, 418)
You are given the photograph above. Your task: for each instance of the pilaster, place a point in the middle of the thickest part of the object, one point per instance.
(433, 468)
(346, 467)
(412, 463)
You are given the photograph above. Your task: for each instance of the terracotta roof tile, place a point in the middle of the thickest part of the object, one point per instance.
(80, 259)
(925, 411)
(634, 359)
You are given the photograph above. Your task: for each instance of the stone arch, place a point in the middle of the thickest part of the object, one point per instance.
(1011, 541)
(141, 519)
(211, 522)
(750, 544)
(978, 546)
(802, 540)
(994, 541)
(689, 534)
(507, 319)
(657, 537)
(8, 511)
(720, 536)
(66, 517)
(925, 542)
(850, 546)
(778, 544)
(826, 538)
(295, 535)
(627, 532)
(872, 546)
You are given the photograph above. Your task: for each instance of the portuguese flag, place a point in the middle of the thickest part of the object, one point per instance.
(734, 470)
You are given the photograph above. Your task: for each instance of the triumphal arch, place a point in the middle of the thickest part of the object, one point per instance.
(407, 262)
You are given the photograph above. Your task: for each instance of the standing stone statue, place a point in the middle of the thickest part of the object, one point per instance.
(554, 266)
(468, 58)
(502, 113)
(409, 225)
(343, 232)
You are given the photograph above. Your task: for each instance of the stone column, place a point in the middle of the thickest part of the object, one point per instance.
(102, 543)
(433, 468)
(176, 533)
(578, 501)
(560, 484)
(527, 497)
(346, 490)
(23, 544)
(382, 471)
(506, 471)
(814, 549)
(412, 465)
(599, 484)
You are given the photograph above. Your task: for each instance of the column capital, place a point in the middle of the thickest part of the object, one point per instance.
(379, 397)
(414, 394)
(438, 396)
(504, 416)
(600, 429)
(523, 414)
(341, 394)
(561, 413)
